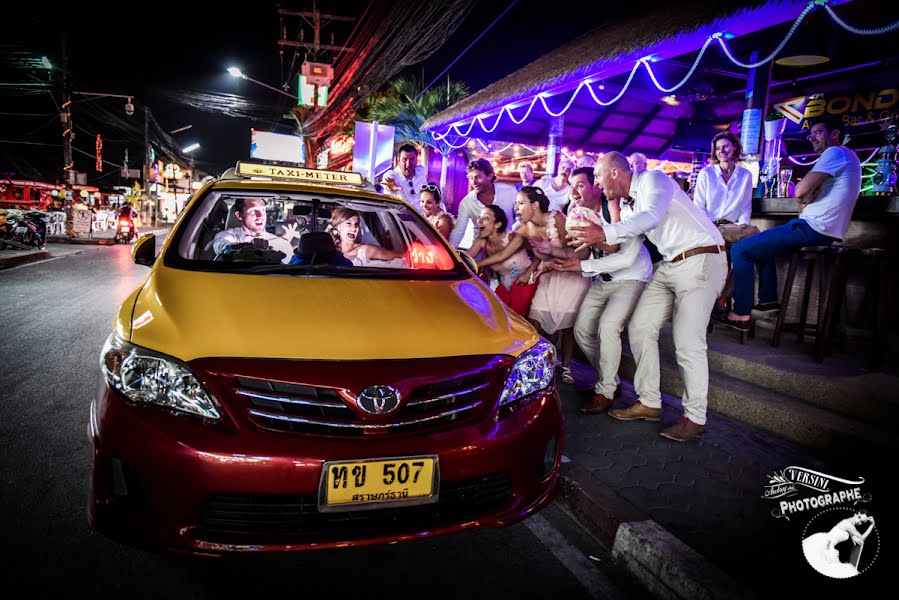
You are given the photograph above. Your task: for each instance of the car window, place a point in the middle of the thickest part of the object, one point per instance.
(294, 233)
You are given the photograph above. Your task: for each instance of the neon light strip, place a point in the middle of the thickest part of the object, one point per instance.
(645, 62)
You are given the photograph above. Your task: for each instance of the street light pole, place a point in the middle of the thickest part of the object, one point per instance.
(235, 72)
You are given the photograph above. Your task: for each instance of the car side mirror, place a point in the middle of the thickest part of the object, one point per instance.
(469, 261)
(143, 252)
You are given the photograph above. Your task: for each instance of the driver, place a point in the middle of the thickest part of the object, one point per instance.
(251, 214)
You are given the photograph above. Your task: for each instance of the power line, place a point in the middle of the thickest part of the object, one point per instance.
(442, 73)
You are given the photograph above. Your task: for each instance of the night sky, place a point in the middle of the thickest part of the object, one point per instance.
(159, 52)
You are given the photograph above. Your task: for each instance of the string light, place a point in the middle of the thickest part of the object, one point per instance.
(455, 130)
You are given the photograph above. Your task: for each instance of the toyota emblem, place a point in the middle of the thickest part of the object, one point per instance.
(379, 399)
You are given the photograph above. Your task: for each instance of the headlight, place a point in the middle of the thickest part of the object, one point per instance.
(531, 373)
(147, 377)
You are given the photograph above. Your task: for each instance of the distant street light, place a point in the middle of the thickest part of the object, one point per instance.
(190, 148)
(180, 129)
(235, 72)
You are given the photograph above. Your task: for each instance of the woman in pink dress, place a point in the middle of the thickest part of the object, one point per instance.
(560, 293)
(516, 274)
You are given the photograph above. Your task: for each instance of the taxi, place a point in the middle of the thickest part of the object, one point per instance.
(309, 364)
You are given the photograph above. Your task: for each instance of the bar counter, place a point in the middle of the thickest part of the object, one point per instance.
(875, 224)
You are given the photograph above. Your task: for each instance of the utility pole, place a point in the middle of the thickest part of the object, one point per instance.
(316, 47)
(68, 170)
(145, 204)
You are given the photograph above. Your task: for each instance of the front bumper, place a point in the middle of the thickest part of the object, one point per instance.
(164, 481)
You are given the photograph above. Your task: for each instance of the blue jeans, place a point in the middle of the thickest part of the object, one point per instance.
(761, 250)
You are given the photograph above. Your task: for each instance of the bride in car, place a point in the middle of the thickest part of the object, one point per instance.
(346, 229)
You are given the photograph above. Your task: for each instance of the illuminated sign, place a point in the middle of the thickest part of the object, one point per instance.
(852, 108)
(298, 173)
(429, 257)
(307, 92)
(267, 145)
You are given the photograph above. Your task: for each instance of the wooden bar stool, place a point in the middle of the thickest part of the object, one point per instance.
(832, 263)
(811, 255)
(836, 292)
(878, 261)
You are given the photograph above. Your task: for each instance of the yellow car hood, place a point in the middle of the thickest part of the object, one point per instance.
(190, 314)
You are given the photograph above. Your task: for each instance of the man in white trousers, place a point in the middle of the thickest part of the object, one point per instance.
(619, 277)
(685, 286)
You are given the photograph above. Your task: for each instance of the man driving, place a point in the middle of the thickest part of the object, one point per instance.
(251, 213)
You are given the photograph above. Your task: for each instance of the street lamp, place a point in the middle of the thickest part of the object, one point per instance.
(189, 150)
(235, 72)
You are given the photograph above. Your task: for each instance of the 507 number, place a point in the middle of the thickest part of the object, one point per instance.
(400, 474)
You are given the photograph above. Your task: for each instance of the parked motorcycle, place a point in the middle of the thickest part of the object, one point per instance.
(125, 233)
(29, 229)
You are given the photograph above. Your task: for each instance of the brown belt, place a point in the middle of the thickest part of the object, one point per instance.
(699, 250)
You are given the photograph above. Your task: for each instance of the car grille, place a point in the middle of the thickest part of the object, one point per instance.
(319, 410)
(298, 515)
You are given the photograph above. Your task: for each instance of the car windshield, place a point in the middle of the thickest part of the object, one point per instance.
(317, 234)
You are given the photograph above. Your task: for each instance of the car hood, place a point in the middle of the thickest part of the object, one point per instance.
(190, 314)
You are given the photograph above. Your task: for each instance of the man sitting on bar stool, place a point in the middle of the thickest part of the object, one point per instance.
(685, 286)
(826, 195)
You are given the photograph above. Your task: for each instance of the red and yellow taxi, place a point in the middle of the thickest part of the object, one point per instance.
(308, 364)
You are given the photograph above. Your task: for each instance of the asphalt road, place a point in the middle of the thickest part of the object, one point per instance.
(56, 316)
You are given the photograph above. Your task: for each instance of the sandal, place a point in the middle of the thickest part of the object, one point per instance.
(566, 375)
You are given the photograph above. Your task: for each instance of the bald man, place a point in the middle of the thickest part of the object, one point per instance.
(637, 162)
(685, 285)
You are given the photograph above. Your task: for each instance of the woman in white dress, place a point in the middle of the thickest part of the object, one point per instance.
(345, 227)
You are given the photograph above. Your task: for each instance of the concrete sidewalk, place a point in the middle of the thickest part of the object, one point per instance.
(106, 237)
(61, 246)
(689, 519)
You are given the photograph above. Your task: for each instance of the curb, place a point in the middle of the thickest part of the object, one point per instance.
(85, 241)
(24, 259)
(664, 565)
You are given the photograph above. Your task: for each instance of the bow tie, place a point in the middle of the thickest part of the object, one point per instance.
(629, 201)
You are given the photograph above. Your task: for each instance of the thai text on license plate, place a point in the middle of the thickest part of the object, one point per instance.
(361, 484)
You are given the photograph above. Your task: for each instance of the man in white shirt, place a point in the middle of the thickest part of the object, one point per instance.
(526, 172)
(618, 280)
(252, 216)
(485, 191)
(826, 195)
(407, 178)
(685, 286)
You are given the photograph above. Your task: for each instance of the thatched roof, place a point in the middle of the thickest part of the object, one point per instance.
(599, 52)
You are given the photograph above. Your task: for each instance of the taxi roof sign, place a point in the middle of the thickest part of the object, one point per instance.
(299, 174)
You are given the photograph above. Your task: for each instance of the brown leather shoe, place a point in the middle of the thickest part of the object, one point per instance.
(596, 404)
(683, 431)
(637, 411)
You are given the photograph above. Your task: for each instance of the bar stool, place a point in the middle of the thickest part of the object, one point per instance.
(830, 293)
(878, 260)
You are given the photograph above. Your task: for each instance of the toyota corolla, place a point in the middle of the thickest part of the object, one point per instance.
(308, 364)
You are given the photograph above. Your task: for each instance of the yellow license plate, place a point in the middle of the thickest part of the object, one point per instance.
(362, 484)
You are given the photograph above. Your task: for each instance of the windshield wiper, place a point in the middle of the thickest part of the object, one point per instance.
(302, 269)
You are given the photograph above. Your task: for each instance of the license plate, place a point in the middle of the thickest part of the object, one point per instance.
(364, 484)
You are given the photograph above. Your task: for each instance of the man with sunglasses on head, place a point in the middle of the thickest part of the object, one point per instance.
(826, 195)
(406, 179)
(484, 192)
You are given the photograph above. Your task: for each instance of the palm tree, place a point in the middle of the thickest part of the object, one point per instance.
(406, 108)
